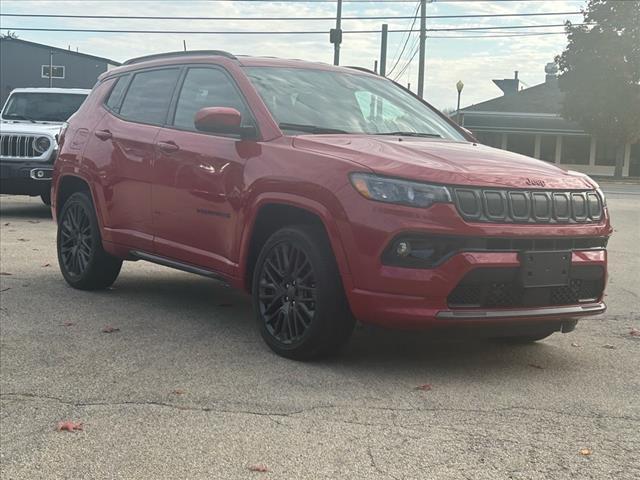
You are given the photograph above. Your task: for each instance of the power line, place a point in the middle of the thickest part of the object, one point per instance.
(399, 56)
(266, 32)
(365, 17)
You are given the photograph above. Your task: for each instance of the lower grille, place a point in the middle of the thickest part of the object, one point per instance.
(18, 146)
(500, 287)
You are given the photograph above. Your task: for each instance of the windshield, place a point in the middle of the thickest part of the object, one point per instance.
(42, 107)
(322, 101)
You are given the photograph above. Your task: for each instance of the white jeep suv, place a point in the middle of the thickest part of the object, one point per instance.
(29, 124)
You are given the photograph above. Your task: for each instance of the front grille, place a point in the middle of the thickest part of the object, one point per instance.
(18, 146)
(528, 206)
(500, 287)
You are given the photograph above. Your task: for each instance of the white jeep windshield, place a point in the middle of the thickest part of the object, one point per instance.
(42, 107)
(325, 101)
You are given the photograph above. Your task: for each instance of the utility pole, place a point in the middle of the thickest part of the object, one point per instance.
(336, 35)
(459, 87)
(383, 50)
(50, 68)
(423, 46)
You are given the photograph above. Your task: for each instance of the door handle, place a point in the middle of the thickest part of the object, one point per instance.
(103, 134)
(168, 147)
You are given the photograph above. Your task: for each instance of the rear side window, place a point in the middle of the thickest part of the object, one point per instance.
(149, 95)
(117, 92)
(207, 87)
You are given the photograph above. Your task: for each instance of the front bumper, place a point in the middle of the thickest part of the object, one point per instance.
(402, 297)
(432, 308)
(25, 178)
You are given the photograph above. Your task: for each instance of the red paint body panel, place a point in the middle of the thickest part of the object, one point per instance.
(194, 197)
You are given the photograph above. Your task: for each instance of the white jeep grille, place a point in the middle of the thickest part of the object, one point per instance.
(19, 147)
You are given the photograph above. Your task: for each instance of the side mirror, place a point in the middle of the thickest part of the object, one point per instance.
(222, 120)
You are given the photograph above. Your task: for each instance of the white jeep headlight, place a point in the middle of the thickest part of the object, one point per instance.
(41, 144)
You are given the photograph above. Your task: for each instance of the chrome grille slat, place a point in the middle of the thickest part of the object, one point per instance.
(491, 205)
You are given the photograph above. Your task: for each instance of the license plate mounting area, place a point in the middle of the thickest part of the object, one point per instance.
(545, 269)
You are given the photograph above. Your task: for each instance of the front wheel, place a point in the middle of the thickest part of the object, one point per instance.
(301, 307)
(46, 198)
(83, 262)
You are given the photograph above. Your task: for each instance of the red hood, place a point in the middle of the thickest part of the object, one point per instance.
(442, 161)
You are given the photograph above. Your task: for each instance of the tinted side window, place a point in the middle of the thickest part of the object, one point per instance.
(207, 87)
(115, 97)
(149, 95)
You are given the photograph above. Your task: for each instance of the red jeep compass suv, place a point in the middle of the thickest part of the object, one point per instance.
(330, 194)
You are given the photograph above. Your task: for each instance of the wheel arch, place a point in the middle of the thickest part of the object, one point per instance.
(69, 184)
(271, 214)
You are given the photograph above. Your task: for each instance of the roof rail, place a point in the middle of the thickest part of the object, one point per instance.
(156, 56)
(363, 69)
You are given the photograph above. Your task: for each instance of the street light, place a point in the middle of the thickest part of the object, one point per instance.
(459, 86)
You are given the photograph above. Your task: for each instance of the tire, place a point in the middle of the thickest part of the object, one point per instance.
(83, 262)
(301, 308)
(46, 198)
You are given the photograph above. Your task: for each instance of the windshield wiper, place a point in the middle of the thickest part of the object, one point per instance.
(309, 128)
(410, 134)
(16, 116)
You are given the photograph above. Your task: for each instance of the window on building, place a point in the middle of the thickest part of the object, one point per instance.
(489, 138)
(548, 148)
(206, 87)
(115, 97)
(521, 143)
(57, 71)
(149, 95)
(576, 150)
(606, 152)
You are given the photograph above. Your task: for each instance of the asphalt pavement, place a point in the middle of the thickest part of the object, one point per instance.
(184, 388)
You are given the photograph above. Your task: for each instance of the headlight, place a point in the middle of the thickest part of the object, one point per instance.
(41, 144)
(403, 192)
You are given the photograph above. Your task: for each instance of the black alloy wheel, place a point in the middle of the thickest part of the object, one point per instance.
(287, 295)
(301, 307)
(76, 243)
(83, 261)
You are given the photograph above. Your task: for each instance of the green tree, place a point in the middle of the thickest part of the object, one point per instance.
(600, 72)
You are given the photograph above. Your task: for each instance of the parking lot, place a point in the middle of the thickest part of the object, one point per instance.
(184, 388)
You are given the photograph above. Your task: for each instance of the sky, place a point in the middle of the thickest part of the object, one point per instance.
(475, 61)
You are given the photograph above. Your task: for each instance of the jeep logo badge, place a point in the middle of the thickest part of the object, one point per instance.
(535, 182)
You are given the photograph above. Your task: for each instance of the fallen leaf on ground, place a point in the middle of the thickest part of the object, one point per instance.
(34, 221)
(110, 329)
(608, 346)
(68, 324)
(258, 468)
(425, 388)
(46, 265)
(575, 344)
(69, 426)
(634, 332)
(5, 289)
(533, 365)
(585, 452)
(23, 240)
(7, 224)
(5, 273)
(178, 391)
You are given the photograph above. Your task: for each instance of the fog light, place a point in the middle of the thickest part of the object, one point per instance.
(403, 249)
(39, 174)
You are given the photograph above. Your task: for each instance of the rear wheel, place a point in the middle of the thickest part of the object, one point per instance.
(301, 308)
(83, 262)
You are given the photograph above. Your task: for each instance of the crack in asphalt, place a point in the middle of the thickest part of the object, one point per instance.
(217, 409)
